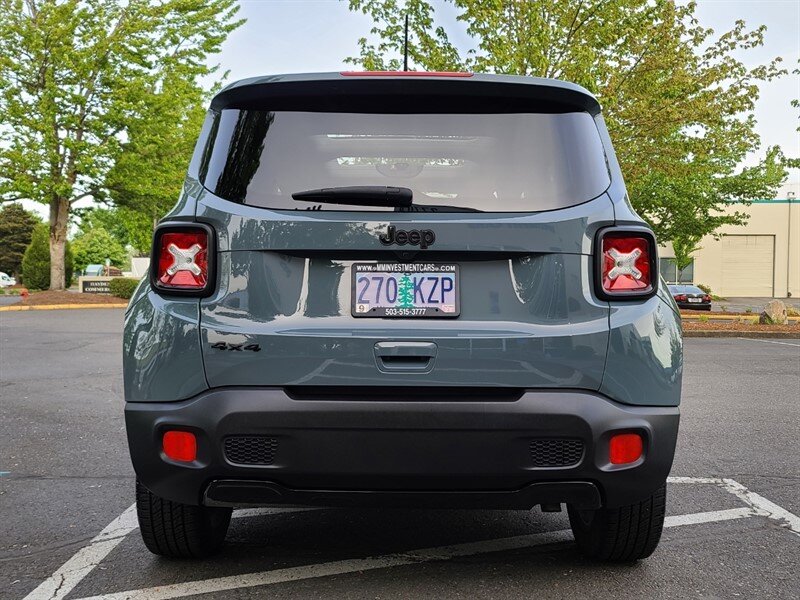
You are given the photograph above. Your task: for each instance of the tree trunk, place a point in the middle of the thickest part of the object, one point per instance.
(59, 218)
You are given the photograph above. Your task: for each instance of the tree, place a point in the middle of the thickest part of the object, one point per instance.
(16, 229)
(77, 75)
(684, 246)
(109, 219)
(36, 270)
(677, 102)
(95, 246)
(405, 292)
(146, 180)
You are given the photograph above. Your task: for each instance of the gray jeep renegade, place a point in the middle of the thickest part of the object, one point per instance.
(403, 289)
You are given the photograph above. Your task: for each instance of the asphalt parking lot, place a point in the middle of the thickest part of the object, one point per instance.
(66, 485)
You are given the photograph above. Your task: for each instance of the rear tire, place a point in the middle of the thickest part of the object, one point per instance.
(180, 530)
(624, 534)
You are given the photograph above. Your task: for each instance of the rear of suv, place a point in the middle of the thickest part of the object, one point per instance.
(403, 289)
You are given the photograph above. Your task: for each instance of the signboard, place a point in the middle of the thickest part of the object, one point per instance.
(94, 285)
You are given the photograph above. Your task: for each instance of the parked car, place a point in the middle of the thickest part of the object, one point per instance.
(690, 297)
(94, 270)
(381, 289)
(6, 280)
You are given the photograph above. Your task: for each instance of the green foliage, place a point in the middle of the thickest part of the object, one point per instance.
(128, 225)
(123, 287)
(82, 80)
(684, 245)
(109, 219)
(677, 100)
(705, 288)
(95, 246)
(36, 261)
(16, 229)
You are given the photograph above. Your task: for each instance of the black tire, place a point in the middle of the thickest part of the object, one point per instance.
(180, 530)
(622, 534)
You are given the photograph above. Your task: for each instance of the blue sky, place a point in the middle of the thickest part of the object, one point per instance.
(288, 36)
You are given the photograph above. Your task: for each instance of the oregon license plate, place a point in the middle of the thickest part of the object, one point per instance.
(406, 290)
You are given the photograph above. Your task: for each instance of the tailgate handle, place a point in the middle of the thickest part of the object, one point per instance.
(412, 357)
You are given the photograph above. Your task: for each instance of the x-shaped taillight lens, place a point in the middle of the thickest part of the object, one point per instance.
(182, 259)
(626, 264)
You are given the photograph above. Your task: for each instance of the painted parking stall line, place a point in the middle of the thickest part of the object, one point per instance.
(83, 562)
(769, 341)
(64, 580)
(343, 567)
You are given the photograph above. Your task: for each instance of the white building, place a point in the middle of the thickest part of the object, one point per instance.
(761, 258)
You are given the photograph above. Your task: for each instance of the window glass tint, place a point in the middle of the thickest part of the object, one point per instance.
(488, 162)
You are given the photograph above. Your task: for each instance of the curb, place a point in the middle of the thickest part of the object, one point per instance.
(710, 333)
(15, 307)
(718, 317)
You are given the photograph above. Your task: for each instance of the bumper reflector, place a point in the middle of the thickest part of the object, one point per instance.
(625, 448)
(180, 445)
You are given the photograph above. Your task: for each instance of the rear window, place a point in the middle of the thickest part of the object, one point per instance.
(451, 162)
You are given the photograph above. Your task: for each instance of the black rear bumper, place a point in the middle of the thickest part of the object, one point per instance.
(372, 452)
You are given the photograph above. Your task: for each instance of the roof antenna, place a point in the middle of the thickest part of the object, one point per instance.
(405, 47)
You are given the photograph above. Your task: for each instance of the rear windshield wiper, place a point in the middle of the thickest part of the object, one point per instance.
(359, 195)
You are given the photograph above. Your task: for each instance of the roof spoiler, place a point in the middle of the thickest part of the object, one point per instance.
(403, 93)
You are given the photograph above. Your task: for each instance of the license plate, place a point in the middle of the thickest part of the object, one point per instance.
(407, 290)
(695, 299)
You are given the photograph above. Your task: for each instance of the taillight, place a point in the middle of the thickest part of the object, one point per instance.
(626, 265)
(680, 298)
(706, 298)
(182, 259)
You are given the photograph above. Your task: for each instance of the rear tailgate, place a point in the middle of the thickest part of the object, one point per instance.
(527, 314)
(508, 174)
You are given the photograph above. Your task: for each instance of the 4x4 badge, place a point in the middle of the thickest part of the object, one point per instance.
(236, 347)
(416, 237)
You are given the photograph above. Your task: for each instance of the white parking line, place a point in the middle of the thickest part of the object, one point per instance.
(60, 583)
(768, 341)
(341, 567)
(772, 510)
(72, 572)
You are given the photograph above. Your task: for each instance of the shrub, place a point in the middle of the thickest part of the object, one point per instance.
(123, 287)
(705, 288)
(36, 261)
(16, 229)
(791, 311)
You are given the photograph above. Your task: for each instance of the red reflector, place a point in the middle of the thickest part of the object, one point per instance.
(626, 263)
(624, 448)
(405, 74)
(180, 445)
(183, 259)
